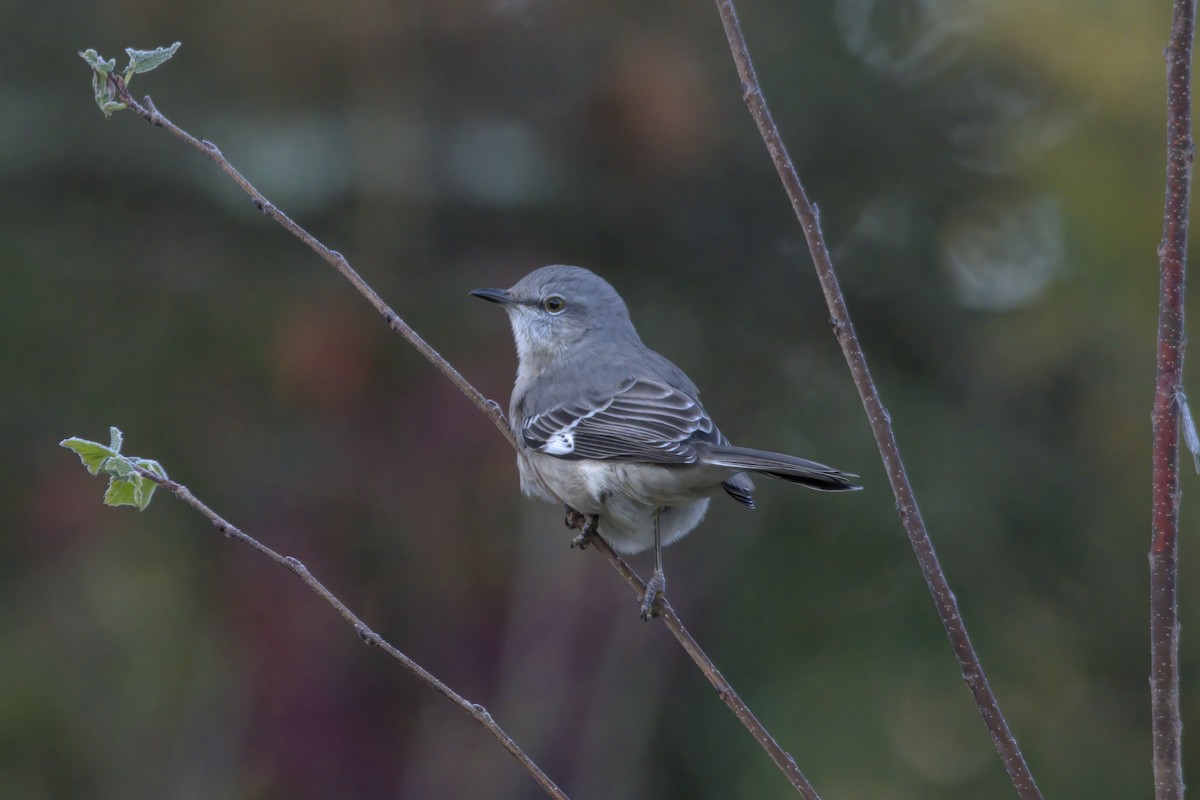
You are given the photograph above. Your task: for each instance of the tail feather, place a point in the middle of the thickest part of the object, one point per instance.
(740, 488)
(785, 467)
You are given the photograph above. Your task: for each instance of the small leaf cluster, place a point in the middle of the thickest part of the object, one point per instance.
(126, 486)
(139, 61)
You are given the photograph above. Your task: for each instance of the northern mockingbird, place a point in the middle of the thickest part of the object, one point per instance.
(614, 431)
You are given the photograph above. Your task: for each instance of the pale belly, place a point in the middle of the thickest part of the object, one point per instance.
(625, 496)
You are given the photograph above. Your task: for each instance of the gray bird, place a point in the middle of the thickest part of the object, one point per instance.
(614, 431)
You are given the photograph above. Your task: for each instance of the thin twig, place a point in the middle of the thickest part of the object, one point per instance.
(725, 691)
(477, 712)
(881, 425)
(152, 115)
(662, 609)
(1167, 725)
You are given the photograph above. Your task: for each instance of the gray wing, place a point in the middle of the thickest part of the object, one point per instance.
(637, 420)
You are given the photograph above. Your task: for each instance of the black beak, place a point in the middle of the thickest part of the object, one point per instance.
(493, 296)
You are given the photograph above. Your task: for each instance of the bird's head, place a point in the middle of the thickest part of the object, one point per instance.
(558, 311)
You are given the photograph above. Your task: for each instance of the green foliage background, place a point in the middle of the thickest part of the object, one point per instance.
(990, 181)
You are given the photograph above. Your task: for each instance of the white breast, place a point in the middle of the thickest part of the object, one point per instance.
(625, 496)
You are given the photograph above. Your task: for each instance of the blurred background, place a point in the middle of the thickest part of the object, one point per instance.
(990, 177)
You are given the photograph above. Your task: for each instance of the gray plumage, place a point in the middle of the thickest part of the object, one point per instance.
(611, 428)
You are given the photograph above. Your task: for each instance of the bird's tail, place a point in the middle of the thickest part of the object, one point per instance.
(785, 467)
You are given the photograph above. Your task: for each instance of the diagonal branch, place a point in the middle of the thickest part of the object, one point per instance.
(335, 259)
(477, 712)
(881, 423)
(782, 759)
(725, 691)
(1172, 255)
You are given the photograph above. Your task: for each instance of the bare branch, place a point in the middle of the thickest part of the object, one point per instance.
(781, 758)
(1165, 420)
(881, 424)
(477, 712)
(725, 691)
(335, 259)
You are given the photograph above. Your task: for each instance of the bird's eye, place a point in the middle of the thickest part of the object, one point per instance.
(554, 304)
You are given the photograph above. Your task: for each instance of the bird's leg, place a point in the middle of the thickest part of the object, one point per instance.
(587, 526)
(573, 518)
(657, 584)
(584, 539)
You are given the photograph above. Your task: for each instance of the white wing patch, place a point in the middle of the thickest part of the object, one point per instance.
(638, 420)
(561, 443)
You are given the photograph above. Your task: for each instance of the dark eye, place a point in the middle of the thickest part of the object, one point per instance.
(554, 304)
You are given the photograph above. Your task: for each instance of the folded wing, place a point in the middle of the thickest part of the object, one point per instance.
(638, 420)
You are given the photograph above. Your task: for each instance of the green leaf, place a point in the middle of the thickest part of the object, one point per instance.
(151, 465)
(135, 491)
(115, 438)
(126, 486)
(146, 60)
(1190, 436)
(121, 493)
(109, 106)
(104, 91)
(119, 467)
(97, 63)
(139, 61)
(92, 454)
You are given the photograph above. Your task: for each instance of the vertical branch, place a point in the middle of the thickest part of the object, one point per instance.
(881, 423)
(1172, 257)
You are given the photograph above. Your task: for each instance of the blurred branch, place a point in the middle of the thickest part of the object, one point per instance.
(781, 758)
(662, 609)
(881, 424)
(477, 712)
(1166, 723)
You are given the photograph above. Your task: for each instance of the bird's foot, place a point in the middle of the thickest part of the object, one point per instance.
(573, 518)
(587, 530)
(655, 588)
